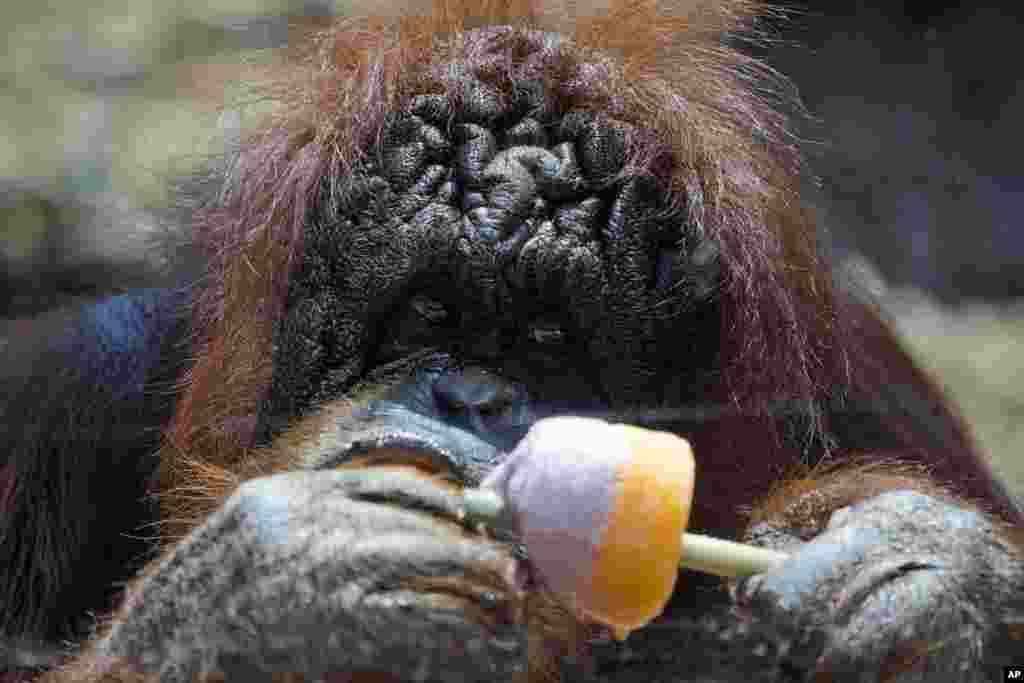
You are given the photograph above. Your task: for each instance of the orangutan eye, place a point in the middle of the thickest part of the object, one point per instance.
(546, 333)
(430, 310)
(421, 323)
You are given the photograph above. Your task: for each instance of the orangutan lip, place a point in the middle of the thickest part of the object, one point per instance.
(386, 433)
(397, 448)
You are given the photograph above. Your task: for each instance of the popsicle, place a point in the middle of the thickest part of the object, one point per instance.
(602, 511)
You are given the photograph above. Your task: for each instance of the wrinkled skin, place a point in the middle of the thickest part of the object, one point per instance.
(349, 602)
(492, 265)
(897, 582)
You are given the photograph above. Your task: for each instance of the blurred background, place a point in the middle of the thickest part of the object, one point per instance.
(914, 134)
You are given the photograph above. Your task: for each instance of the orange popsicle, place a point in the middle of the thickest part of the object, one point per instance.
(602, 510)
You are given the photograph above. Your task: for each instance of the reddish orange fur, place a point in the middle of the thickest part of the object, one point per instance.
(804, 504)
(838, 487)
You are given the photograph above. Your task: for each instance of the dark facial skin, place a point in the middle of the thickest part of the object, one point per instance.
(489, 385)
(476, 398)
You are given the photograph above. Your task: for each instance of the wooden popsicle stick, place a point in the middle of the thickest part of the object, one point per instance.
(727, 558)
